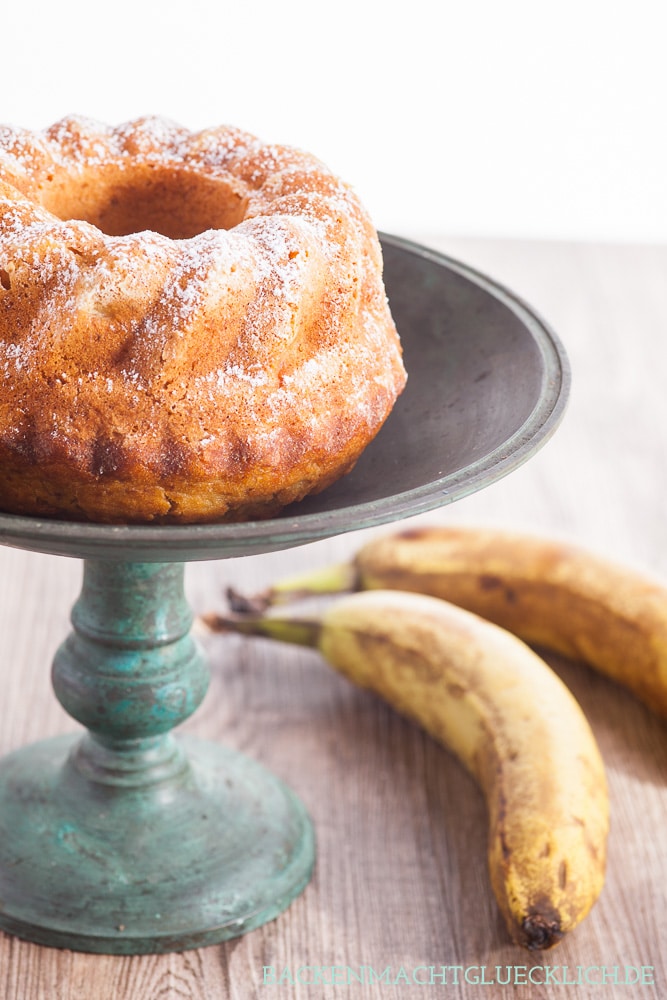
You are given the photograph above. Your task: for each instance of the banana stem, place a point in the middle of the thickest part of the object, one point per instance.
(338, 579)
(299, 631)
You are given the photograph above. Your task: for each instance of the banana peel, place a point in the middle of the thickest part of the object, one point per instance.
(487, 697)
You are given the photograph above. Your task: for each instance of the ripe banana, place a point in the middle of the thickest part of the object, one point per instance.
(554, 595)
(494, 703)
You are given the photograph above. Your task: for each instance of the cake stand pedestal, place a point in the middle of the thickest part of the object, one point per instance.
(128, 839)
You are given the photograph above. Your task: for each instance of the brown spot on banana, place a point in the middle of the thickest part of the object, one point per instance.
(488, 582)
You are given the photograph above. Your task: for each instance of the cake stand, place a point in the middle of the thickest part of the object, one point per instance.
(128, 839)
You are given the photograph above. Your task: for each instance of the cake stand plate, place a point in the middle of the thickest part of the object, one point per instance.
(130, 839)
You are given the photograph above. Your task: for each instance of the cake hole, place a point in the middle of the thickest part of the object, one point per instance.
(5, 280)
(176, 203)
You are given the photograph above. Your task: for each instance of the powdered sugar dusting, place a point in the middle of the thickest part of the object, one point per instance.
(213, 355)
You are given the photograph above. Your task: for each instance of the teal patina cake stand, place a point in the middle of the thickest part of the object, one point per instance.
(129, 839)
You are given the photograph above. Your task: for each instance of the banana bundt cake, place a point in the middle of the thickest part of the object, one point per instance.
(193, 325)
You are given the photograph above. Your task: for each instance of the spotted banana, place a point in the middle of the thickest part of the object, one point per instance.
(503, 712)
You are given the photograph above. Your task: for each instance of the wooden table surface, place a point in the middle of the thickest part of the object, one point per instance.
(401, 879)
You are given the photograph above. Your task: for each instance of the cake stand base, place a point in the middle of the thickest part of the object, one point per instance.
(214, 847)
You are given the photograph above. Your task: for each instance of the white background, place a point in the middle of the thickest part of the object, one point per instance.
(518, 118)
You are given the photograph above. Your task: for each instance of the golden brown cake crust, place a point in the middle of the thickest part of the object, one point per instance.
(193, 325)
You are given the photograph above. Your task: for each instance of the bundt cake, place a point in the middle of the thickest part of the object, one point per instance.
(193, 325)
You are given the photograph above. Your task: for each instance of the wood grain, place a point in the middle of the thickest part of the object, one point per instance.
(401, 875)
